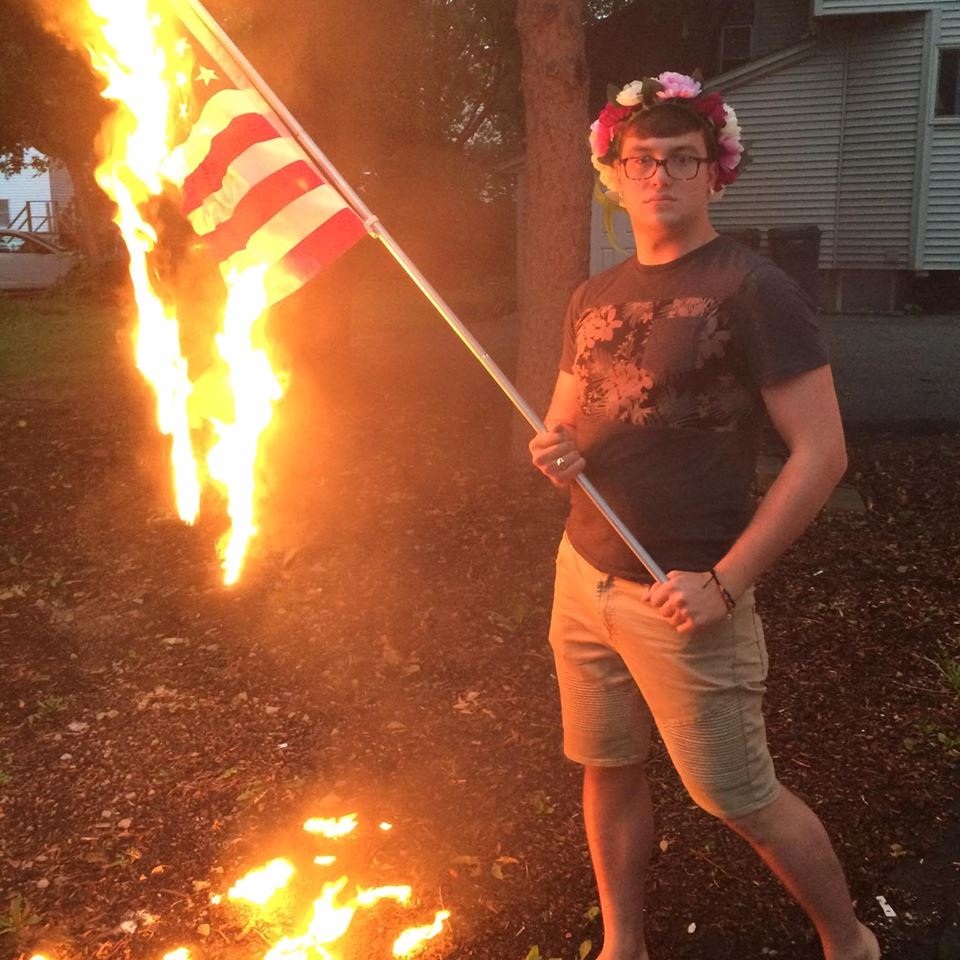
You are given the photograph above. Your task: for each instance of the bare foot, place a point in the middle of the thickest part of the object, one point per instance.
(613, 953)
(867, 949)
(871, 945)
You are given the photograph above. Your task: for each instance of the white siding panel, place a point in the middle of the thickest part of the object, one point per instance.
(950, 23)
(875, 202)
(603, 253)
(61, 186)
(830, 7)
(24, 186)
(941, 239)
(791, 127)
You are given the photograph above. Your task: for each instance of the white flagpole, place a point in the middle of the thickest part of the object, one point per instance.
(376, 229)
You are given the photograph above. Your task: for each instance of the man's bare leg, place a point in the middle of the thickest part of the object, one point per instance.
(618, 816)
(789, 836)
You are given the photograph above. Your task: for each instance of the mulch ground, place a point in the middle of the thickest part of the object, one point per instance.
(386, 656)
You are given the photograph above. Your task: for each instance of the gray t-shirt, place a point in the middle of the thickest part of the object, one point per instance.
(669, 361)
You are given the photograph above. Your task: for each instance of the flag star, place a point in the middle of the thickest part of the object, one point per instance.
(206, 75)
(183, 45)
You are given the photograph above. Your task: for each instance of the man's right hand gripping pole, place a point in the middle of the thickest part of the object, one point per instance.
(555, 454)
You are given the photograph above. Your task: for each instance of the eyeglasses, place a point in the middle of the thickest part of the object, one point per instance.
(680, 166)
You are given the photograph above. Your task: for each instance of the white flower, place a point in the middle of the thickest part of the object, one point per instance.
(630, 95)
(732, 127)
(608, 177)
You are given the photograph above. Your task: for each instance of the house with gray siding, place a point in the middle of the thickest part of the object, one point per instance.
(35, 200)
(851, 116)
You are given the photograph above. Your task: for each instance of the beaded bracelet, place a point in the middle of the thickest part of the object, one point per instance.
(725, 594)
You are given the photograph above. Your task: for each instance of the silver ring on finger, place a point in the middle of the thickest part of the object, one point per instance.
(561, 463)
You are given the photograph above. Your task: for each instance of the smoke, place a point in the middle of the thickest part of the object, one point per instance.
(68, 20)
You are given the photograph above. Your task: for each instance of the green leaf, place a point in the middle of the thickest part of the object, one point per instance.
(585, 948)
(649, 89)
(592, 912)
(534, 954)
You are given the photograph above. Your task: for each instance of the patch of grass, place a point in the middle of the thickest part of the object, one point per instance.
(18, 917)
(66, 335)
(951, 673)
(949, 670)
(519, 617)
(948, 740)
(47, 708)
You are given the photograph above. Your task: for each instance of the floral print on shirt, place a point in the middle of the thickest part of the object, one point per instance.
(663, 363)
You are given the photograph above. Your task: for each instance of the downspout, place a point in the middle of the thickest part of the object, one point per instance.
(921, 177)
(840, 145)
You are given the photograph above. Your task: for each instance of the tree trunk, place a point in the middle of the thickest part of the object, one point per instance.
(88, 212)
(554, 231)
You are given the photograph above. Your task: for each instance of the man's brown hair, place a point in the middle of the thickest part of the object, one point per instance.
(664, 120)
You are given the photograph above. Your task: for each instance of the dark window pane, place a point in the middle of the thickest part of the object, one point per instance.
(735, 44)
(948, 84)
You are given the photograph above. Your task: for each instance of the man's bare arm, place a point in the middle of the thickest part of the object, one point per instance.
(559, 444)
(805, 414)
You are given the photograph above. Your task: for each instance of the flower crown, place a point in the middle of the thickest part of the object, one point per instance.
(642, 95)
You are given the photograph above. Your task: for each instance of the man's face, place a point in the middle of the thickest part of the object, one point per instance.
(663, 201)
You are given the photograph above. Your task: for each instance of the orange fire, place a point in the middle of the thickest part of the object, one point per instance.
(259, 886)
(334, 909)
(149, 71)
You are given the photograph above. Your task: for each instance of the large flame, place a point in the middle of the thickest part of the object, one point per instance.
(136, 143)
(148, 69)
(255, 388)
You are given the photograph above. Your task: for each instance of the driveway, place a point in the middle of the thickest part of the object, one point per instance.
(901, 371)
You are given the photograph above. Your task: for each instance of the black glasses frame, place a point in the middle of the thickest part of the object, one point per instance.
(665, 163)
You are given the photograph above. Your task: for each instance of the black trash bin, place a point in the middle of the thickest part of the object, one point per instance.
(796, 250)
(748, 236)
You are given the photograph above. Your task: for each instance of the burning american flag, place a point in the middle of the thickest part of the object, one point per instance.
(190, 119)
(247, 187)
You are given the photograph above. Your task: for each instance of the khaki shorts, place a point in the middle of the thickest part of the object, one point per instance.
(621, 667)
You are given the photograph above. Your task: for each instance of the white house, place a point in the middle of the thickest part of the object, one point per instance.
(851, 116)
(34, 201)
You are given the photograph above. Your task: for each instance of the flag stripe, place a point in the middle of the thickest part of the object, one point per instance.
(313, 253)
(215, 117)
(253, 194)
(282, 232)
(241, 133)
(259, 162)
(261, 203)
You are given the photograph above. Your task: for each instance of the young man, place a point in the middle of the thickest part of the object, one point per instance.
(670, 362)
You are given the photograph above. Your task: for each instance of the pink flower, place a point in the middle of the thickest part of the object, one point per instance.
(730, 150)
(677, 85)
(600, 137)
(711, 107)
(602, 130)
(612, 114)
